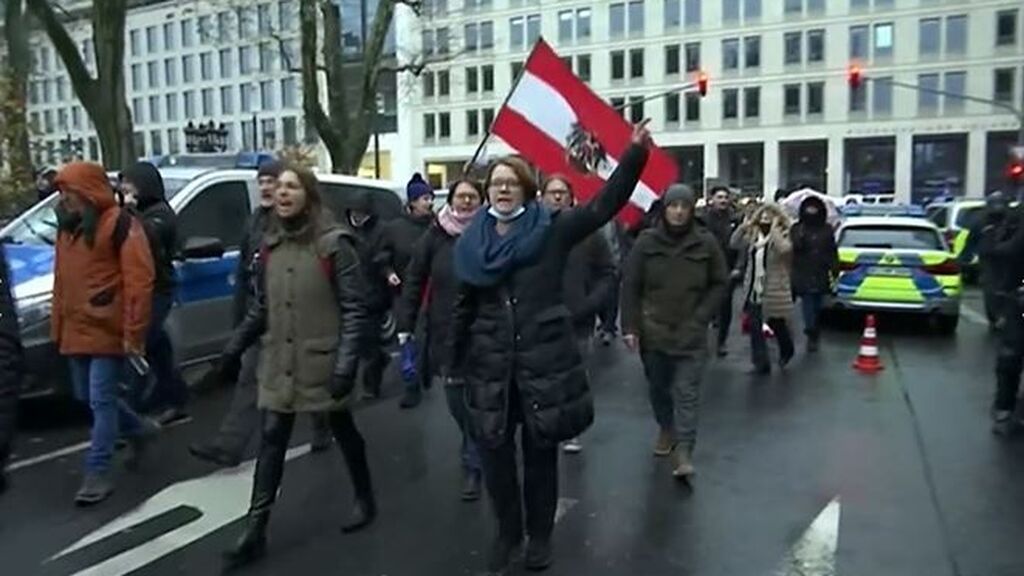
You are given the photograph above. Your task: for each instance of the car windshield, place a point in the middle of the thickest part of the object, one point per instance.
(890, 237)
(967, 217)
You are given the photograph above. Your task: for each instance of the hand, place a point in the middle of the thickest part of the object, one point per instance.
(341, 386)
(228, 367)
(394, 280)
(632, 342)
(641, 135)
(404, 337)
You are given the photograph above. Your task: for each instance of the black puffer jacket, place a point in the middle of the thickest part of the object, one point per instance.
(590, 278)
(12, 366)
(519, 333)
(248, 261)
(431, 266)
(159, 221)
(373, 261)
(815, 257)
(400, 238)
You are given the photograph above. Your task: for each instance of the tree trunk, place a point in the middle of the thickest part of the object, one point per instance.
(103, 97)
(13, 98)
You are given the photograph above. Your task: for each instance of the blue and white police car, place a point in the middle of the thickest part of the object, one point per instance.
(213, 206)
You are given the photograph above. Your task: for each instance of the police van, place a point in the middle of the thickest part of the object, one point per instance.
(213, 207)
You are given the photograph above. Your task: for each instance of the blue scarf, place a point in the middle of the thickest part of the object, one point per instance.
(483, 257)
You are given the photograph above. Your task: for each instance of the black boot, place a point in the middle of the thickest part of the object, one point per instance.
(252, 545)
(538, 554)
(353, 448)
(322, 440)
(503, 550)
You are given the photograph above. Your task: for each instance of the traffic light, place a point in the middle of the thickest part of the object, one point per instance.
(702, 83)
(853, 76)
(1015, 170)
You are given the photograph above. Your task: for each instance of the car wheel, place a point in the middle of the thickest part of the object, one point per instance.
(948, 324)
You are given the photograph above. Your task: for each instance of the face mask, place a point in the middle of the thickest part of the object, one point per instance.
(67, 220)
(506, 217)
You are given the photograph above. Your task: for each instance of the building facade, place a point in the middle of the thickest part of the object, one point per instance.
(230, 63)
(780, 111)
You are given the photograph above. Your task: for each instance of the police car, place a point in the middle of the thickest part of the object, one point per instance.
(955, 219)
(897, 264)
(213, 207)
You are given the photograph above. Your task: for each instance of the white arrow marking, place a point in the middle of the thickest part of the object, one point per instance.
(814, 554)
(222, 497)
(564, 505)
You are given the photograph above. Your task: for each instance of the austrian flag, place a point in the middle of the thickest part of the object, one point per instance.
(556, 122)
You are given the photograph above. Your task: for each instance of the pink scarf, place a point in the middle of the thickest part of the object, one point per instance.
(454, 223)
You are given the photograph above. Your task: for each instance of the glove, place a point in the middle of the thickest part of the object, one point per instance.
(408, 364)
(341, 386)
(228, 368)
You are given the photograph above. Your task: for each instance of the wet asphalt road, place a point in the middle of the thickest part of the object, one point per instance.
(922, 485)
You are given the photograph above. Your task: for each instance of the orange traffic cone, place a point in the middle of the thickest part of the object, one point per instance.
(867, 361)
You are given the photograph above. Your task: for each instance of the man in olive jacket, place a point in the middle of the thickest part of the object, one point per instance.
(674, 281)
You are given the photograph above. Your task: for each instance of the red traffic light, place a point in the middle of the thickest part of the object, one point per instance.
(702, 83)
(854, 76)
(1016, 171)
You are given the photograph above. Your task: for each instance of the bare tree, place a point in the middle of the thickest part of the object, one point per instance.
(102, 96)
(13, 95)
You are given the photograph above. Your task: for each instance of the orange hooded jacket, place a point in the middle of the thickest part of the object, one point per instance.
(101, 298)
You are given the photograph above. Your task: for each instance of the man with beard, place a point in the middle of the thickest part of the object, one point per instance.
(102, 291)
(240, 423)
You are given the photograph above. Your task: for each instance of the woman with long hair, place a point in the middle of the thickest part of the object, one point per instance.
(513, 341)
(430, 276)
(310, 314)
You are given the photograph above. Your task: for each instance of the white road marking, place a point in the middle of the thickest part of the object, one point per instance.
(814, 554)
(221, 497)
(564, 505)
(72, 449)
(972, 315)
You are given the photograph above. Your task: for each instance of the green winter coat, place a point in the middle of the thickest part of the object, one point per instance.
(671, 290)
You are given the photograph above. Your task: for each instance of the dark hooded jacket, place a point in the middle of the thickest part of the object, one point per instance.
(721, 224)
(373, 258)
(815, 257)
(590, 278)
(400, 238)
(431, 274)
(248, 261)
(158, 220)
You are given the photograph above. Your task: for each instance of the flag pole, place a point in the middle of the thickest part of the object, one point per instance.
(681, 88)
(487, 134)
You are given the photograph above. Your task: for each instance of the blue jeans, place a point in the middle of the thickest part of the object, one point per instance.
(811, 305)
(95, 379)
(456, 396)
(169, 389)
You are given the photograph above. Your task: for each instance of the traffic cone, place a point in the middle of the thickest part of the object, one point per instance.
(867, 361)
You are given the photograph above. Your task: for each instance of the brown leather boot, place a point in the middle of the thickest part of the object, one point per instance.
(665, 444)
(682, 464)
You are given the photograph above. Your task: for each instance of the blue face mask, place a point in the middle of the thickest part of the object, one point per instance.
(506, 217)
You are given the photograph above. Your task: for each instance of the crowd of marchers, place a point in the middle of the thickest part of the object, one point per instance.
(498, 299)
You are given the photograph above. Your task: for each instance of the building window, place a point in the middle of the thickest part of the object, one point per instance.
(290, 130)
(471, 37)
(1006, 28)
(672, 108)
(693, 57)
(472, 80)
(617, 20)
(883, 40)
(266, 58)
(487, 35)
(263, 18)
(730, 54)
(151, 40)
(692, 12)
(428, 85)
(206, 66)
(532, 29)
(227, 100)
(583, 67)
(618, 65)
(692, 107)
(619, 105)
(224, 26)
(245, 60)
(751, 102)
(76, 116)
(226, 70)
(816, 98)
(636, 17)
(927, 100)
(189, 103)
(442, 43)
(955, 83)
(444, 83)
(170, 72)
(245, 91)
(517, 33)
(636, 63)
(472, 123)
(488, 118)
(269, 128)
(956, 34)
(816, 46)
(929, 37)
(858, 99)
(858, 42)
(267, 95)
(673, 16)
(171, 103)
(156, 146)
(791, 99)
(752, 51)
(188, 64)
(672, 60)
(565, 22)
(583, 28)
(289, 93)
(793, 44)
(487, 74)
(429, 127)
(1004, 81)
(517, 70)
(793, 7)
(287, 14)
(153, 74)
(169, 43)
(136, 77)
(730, 10)
(730, 104)
(173, 142)
(188, 34)
(882, 96)
(134, 43)
(444, 125)
(205, 28)
(154, 109)
(752, 9)
(207, 100)
(636, 109)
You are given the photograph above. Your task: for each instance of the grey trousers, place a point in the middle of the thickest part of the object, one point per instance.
(243, 417)
(674, 387)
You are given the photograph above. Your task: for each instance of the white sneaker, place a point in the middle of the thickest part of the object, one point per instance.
(572, 446)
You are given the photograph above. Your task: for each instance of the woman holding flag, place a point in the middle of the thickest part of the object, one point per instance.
(513, 343)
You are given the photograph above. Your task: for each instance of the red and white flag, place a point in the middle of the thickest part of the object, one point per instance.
(556, 122)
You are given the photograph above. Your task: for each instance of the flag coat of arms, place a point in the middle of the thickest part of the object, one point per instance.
(556, 122)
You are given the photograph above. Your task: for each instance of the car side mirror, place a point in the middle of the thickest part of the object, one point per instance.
(201, 248)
